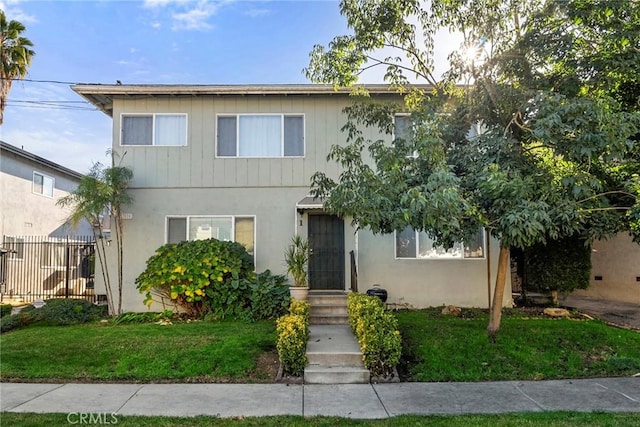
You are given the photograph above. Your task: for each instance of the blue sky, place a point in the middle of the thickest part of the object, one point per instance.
(149, 41)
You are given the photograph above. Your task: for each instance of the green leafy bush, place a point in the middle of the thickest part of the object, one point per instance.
(13, 321)
(259, 296)
(376, 330)
(269, 296)
(293, 334)
(5, 309)
(56, 312)
(193, 273)
(559, 265)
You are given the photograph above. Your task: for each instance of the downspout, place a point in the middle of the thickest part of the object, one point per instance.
(488, 239)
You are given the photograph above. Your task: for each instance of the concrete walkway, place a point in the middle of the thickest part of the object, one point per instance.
(345, 400)
(624, 314)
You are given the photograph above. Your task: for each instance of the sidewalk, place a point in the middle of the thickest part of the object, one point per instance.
(347, 400)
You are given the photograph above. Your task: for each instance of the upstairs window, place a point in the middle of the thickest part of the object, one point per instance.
(402, 123)
(260, 135)
(417, 244)
(154, 129)
(402, 130)
(43, 184)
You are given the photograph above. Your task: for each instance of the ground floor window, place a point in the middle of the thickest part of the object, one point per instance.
(410, 243)
(54, 255)
(232, 228)
(15, 245)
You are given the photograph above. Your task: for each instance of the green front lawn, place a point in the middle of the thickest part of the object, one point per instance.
(447, 348)
(196, 351)
(551, 419)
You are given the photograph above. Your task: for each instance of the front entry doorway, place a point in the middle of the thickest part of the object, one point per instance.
(326, 245)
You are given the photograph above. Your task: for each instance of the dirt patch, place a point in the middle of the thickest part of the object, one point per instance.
(266, 367)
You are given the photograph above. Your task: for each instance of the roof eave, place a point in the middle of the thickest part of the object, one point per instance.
(102, 95)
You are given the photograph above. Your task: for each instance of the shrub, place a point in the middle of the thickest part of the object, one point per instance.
(62, 311)
(376, 330)
(300, 308)
(559, 265)
(259, 296)
(193, 273)
(269, 296)
(5, 309)
(293, 334)
(56, 312)
(13, 321)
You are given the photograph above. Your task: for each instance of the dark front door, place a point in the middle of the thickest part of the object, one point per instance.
(326, 244)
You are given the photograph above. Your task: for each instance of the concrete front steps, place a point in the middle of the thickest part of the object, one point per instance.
(328, 308)
(333, 352)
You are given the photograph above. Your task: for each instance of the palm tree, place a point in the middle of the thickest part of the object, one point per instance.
(103, 191)
(15, 54)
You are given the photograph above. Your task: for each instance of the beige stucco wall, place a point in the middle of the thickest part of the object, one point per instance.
(617, 261)
(420, 283)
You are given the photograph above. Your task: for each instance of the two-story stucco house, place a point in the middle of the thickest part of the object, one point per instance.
(41, 253)
(235, 162)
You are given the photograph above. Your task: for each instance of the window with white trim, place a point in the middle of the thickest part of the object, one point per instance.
(232, 228)
(154, 129)
(15, 245)
(43, 184)
(260, 135)
(402, 129)
(410, 243)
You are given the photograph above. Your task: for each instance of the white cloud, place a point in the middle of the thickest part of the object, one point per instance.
(189, 15)
(153, 4)
(194, 19)
(14, 13)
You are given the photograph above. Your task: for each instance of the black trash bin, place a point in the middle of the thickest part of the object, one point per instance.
(379, 292)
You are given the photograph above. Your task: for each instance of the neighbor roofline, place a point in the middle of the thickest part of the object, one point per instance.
(40, 160)
(102, 95)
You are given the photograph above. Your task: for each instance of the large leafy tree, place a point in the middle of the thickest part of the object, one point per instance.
(15, 56)
(103, 192)
(531, 132)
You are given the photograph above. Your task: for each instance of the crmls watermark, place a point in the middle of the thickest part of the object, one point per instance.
(92, 418)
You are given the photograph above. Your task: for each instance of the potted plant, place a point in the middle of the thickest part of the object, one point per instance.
(296, 257)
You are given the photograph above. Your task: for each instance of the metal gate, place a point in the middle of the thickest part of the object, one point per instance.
(35, 267)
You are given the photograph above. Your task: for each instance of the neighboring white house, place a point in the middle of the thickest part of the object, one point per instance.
(30, 187)
(615, 270)
(235, 162)
(35, 237)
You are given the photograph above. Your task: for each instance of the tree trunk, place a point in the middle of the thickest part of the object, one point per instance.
(498, 293)
(119, 244)
(554, 298)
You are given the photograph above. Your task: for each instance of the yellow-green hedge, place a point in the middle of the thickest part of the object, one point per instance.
(301, 308)
(376, 329)
(293, 334)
